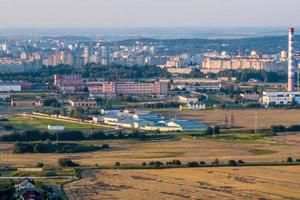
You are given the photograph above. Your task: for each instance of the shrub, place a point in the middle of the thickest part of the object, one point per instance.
(67, 162)
(117, 164)
(23, 148)
(50, 173)
(8, 126)
(202, 163)
(48, 147)
(215, 162)
(293, 128)
(51, 102)
(99, 135)
(240, 162)
(157, 164)
(232, 163)
(213, 130)
(6, 189)
(105, 146)
(144, 164)
(278, 128)
(193, 164)
(39, 164)
(289, 159)
(174, 162)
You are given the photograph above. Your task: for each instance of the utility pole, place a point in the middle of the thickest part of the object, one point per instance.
(57, 137)
(298, 80)
(231, 120)
(255, 125)
(91, 136)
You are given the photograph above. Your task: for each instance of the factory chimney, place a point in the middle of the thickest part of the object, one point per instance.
(291, 67)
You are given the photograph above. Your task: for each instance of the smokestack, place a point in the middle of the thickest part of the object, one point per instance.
(291, 68)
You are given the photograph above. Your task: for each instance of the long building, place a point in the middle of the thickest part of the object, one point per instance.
(10, 65)
(280, 98)
(9, 87)
(215, 65)
(128, 88)
(67, 80)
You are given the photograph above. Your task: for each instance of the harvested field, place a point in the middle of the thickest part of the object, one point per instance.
(177, 184)
(135, 152)
(245, 119)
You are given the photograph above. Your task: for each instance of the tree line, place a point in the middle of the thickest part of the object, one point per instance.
(69, 135)
(90, 71)
(49, 147)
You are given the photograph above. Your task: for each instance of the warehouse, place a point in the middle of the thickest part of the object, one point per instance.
(9, 87)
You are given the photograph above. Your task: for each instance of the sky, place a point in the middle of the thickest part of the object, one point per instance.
(148, 13)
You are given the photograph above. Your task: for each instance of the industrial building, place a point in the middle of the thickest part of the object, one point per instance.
(9, 87)
(187, 99)
(83, 103)
(289, 96)
(26, 103)
(127, 88)
(280, 98)
(147, 121)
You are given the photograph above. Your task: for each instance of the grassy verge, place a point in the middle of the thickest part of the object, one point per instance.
(27, 123)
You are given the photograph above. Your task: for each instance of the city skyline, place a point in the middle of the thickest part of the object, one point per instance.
(137, 13)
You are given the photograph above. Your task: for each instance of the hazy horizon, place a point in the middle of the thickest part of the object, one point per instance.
(145, 13)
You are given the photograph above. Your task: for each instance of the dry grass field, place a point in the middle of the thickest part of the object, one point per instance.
(187, 149)
(177, 184)
(245, 119)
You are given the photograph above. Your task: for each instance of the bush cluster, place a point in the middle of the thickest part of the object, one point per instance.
(281, 128)
(48, 147)
(67, 162)
(290, 159)
(213, 130)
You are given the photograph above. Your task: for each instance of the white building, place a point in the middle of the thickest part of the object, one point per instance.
(56, 128)
(9, 87)
(187, 100)
(280, 98)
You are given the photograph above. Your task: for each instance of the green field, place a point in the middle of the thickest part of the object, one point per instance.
(25, 123)
(261, 151)
(245, 138)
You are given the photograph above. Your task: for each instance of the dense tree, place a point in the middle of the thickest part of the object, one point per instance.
(232, 163)
(115, 72)
(193, 164)
(289, 159)
(278, 128)
(48, 147)
(67, 162)
(213, 130)
(52, 102)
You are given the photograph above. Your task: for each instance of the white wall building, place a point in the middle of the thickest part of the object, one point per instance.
(280, 98)
(187, 100)
(9, 87)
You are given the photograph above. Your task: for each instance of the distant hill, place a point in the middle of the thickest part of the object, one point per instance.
(265, 45)
(71, 38)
